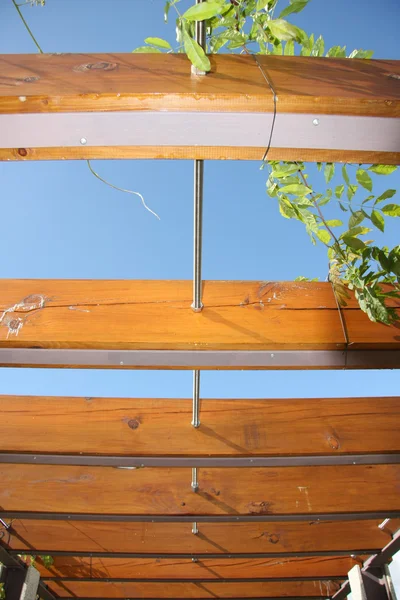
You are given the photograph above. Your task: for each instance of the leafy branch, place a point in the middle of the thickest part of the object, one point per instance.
(355, 263)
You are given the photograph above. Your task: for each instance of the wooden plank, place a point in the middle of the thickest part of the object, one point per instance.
(161, 491)
(156, 315)
(96, 536)
(117, 82)
(73, 83)
(186, 569)
(199, 153)
(228, 427)
(196, 590)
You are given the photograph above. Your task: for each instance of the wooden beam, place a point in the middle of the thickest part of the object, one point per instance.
(228, 427)
(323, 567)
(156, 315)
(163, 491)
(110, 84)
(196, 590)
(93, 536)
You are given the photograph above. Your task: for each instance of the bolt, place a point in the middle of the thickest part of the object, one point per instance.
(272, 355)
(315, 122)
(83, 141)
(122, 362)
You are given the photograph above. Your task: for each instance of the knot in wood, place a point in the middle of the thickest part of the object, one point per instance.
(133, 423)
(99, 66)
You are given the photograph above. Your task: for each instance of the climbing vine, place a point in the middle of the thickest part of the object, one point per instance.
(355, 261)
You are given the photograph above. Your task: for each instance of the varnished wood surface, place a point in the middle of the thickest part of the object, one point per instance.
(228, 427)
(224, 538)
(99, 82)
(157, 315)
(186, 569)
(163, 491)
(199, 153)
(196, 590)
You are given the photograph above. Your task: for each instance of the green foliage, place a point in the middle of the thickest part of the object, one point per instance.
(258, 27)
(2, 592)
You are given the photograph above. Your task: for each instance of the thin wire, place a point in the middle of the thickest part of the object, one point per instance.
(115, 187)
(275, 97)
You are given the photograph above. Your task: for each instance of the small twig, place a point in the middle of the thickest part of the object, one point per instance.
(27, 26)
(115, 187)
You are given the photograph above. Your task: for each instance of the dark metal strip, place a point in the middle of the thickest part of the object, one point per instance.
(252, 598)
(198, 556)
(309, 517)
(199, 579)
(203, 461)
(201, 359)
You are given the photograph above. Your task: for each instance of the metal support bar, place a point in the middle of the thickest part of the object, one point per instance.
(201, 359)
(109, 518)
(318, 597)
(195, 556)
(196, 462)
(195, 580)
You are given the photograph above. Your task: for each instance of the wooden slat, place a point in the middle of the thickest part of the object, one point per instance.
(196, 590)
(160, 491)
(186, 569)
(200, 153)
(95, 536)
(109, 82)
(228, 427)
(119, 82)
(146, 315)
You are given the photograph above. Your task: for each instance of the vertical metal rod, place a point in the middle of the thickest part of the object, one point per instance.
(389, 583)
(200, 36)
(197, 234)
(196, 399)
(195, 483)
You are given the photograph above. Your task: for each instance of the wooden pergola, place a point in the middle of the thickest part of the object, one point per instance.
(261, 498)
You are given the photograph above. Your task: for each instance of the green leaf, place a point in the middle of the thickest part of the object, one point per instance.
(334, 223)
(392, 210)
(296, 188)
(285, 209)
(337, 52)
(280, 171)
(378, 220)
(329, 171)
(261, 4)
(351, 190)
(345, 175)
(295, 7)
(146, 50)
(342, 207)
(155, 41)
(283, 30)
(385, 196)
(339, 189)
(289, 48)
(195, 52)
(354, 243)
(361, 54)
(364, 179)
(384, 261)
(356, 218)
(202, 11)
(323, 235)
(383, 169)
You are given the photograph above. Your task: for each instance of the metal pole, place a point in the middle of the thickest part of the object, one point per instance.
(200, 36)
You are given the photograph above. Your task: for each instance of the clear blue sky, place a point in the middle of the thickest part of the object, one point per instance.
(58, 221)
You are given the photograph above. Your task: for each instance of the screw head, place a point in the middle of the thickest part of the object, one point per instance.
(315, 122)
(83, 141)
(122, 362)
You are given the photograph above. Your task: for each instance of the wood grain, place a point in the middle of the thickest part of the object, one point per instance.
(163, 491)
(96, 536)
(186, 569)
(196, 590)
(157, 315)
(109, 82)
(200, 153)
(228, 427)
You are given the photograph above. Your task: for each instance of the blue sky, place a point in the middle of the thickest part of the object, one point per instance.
(60, 222)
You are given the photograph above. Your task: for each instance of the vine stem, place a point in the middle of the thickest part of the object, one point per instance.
(17, 8)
